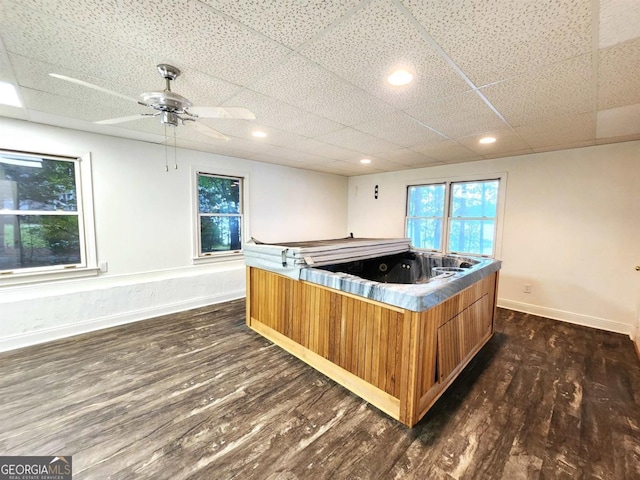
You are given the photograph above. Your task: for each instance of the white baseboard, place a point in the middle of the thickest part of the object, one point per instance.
(569, 317)
(64, 331)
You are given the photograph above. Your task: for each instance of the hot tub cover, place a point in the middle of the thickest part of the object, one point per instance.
(288, 258)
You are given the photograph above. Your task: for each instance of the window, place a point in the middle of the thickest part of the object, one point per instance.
(464, 213)
(219, 214)
(42, 222)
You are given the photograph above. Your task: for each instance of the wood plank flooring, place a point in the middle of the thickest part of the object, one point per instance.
(197, 395)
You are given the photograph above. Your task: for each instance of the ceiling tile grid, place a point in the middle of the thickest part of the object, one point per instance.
(401, 129)
(306, 85)
(563, 88)
(314, 74)
(290, 22)
(529, 33)
(458, 116)
(377, 39)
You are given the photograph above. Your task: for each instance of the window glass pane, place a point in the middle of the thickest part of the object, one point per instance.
(28, 241)
(425, 232)
(471, 236)
(218, 194)
(32, 183)
(474, 199)
(218, 234)
(426, 201)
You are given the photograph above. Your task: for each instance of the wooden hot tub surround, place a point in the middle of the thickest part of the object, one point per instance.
(400, 361)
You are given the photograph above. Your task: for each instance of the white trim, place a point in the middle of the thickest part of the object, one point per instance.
(65, 331)
(16, 278)
(569, 317)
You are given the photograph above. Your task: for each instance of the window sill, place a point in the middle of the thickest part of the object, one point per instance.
(219, 258)
(17, 279)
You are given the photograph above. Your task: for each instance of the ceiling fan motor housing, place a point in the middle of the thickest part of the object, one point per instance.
(166, 101)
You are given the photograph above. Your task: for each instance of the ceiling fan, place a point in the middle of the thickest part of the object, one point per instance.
(172, 109)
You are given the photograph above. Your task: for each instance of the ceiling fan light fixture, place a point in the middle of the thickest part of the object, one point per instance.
(487, 140)
(400, 78)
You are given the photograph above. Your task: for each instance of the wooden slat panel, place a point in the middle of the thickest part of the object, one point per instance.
(384, 349)
(347, 331)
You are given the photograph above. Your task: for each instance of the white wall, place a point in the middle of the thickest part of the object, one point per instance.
(144, 230)
(571, 229)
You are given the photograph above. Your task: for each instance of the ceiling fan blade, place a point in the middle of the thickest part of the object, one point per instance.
(223, 112)
(207, 130)
(111, 121)
(91, 85)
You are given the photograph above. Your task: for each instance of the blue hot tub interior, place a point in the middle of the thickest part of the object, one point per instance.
(405, 268)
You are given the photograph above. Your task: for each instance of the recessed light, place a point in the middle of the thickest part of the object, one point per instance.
(9, 95)
(400, 78)
(259, 134)
(487, 140)
(365, 160)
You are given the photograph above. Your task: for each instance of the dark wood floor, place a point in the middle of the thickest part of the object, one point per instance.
(198, 395)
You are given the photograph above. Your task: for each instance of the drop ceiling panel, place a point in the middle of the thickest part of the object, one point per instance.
(458, 116)
(219, 149)
(297, 156)
(564, 88)
(289, 22)
(34, 74)
(277, 114)
(401, 129)
(617, 122)
(31, 34)
(51, 103)
(491, 41)
(107, 43)
(619, 22)
(245, 128)
(408, 157)
(359, 141)
(619, 75)
(343, 168)
(447, 150)
(316, 147)
(506, 141)
(377, 39)
(565, 146)
(308, 86)
(559, 130)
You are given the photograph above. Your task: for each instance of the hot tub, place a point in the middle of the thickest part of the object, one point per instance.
(392, 325)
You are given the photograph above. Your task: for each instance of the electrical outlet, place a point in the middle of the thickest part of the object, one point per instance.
(104, 267)
(527, 288)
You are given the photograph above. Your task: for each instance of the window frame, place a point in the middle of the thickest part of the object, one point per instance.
(212, 257)
(86, 226)
(448, 182)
